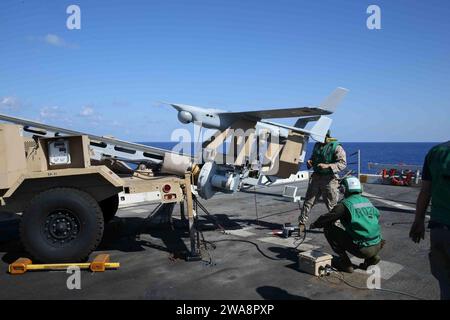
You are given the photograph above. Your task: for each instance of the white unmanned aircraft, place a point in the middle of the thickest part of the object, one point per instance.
(277, 159)
(221, 119)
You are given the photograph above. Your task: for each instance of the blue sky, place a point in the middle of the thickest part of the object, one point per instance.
(109, 77)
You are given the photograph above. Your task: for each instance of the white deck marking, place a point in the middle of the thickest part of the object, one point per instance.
(288, 242)
(391, 203)
(388, 202)
(388, 269)
(307, 247)
(241, 232)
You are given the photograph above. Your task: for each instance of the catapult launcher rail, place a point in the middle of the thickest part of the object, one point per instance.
(105, 147)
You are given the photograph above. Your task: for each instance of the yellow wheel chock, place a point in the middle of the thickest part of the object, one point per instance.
(99, 264)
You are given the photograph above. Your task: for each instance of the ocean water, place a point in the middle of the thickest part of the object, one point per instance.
(412, 153)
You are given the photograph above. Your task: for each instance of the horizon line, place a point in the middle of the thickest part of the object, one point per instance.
(314, 142)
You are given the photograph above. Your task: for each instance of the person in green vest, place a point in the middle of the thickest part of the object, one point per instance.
(327, 160)
(361, 232)
(436, 187)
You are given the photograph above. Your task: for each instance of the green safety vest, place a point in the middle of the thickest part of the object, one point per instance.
(363, 228)
(438, 161)
(324, 153)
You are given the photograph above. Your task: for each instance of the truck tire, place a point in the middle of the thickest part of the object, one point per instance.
(62, 225)
(109, 207)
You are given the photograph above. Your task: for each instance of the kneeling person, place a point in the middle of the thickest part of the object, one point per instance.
(361, 235)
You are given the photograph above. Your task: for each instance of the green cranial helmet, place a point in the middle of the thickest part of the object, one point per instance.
(351, 185)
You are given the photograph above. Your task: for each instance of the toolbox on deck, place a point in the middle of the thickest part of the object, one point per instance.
(314, 261)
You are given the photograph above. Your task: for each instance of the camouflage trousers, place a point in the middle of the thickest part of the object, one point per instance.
(326, 186)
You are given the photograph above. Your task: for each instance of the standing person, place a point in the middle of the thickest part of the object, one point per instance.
(327, 160)
(436, 186)
(361, 235)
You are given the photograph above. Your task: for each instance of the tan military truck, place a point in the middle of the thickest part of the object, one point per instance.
(64, 197)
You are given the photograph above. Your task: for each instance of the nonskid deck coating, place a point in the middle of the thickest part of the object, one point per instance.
(253, 265)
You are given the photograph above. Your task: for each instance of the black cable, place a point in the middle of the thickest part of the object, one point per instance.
(304, 232)
(247, 241)
(342, 278)
(204, 242)
(402, 222)
(256, 206)
(212, 243)
(278, 213)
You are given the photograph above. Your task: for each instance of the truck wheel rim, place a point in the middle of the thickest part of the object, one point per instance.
(61, 227)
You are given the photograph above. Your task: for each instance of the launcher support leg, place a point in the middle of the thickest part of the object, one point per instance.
(182, 212)
(194, 255)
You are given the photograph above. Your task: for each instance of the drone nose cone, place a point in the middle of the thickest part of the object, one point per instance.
(185, 117)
